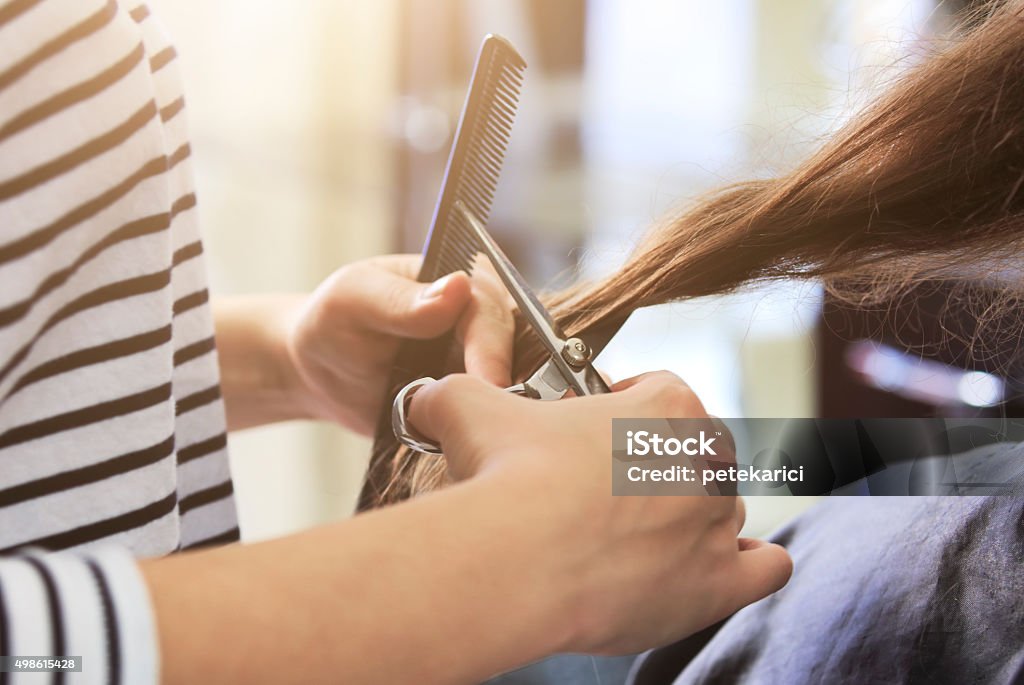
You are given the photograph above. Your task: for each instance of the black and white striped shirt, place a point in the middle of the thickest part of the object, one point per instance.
(112, 433)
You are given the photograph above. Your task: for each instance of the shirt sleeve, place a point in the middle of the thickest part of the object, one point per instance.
(92, 603)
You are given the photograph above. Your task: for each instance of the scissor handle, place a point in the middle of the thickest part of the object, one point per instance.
(404, 432)
(409, 436)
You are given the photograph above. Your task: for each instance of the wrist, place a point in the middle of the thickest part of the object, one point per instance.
(259, 378)
(565, 515)
(535, 555)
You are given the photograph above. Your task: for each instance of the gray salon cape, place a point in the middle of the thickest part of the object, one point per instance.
(885, 590)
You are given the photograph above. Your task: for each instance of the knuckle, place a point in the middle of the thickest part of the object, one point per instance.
(672, 397)
(395, 299)
(488, 357)
(491, 307)
(453, 387)
(349, 275)
(340, 288)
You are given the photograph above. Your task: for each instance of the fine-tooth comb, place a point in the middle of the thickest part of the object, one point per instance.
(471, 177)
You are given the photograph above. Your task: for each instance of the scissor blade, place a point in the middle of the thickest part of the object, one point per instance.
(597, 338)
(531, 308)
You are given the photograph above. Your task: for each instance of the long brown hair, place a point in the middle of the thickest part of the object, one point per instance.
(926, 179)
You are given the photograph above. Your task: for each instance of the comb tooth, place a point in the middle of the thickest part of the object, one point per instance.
(485, 164)
(489, 178)
(481, 189)
(473, 206)
(510, 82)
(445, 268)
(498, 123)
(454, 259)
(479, 200)
(460, 254)
(488, 156)
(496, 141)
(507, 91)
(477, 208)
(466, 253)
(475, 192)
(500, 118)
(494, 135)
(463, 252)
(486, 182)
(505, 105)
(499, 137)
(499, 115)
(485, 159)
(450, 263)
(464, 241)
(474, 187)
(457, 262)
(485, 169)
(513, 71)
(491, 152)
(471, 200)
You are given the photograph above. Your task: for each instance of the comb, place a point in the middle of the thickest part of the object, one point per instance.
(471, 177)
(476, 158)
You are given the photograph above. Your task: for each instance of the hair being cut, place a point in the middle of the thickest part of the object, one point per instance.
(925, 183)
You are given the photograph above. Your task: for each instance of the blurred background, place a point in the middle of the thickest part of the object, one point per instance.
(321, 129)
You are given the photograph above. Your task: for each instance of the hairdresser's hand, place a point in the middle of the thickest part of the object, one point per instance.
(627, 572)
(347, 333)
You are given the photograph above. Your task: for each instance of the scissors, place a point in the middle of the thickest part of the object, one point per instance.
(568, 367)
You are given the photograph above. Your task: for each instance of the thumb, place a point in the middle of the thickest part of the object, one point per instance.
(390, 303)
(426, 310)
(763, 568)
(459, 412)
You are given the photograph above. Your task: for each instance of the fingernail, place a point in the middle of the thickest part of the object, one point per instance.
(435, 289)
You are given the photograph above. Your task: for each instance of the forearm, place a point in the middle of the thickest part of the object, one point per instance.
(414, 593)
(258, 380)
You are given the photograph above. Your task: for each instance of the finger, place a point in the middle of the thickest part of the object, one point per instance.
(487, 328)
(649, 377)
(459, 412)
(762, 568)
(385, 302)
(741, 514)
(604, 376)
(406, 265)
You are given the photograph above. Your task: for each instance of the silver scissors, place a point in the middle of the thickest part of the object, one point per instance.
(569, 365)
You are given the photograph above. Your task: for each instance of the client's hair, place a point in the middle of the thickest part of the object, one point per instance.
(928, 178)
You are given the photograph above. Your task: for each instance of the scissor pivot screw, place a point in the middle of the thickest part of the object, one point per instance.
(576, 353)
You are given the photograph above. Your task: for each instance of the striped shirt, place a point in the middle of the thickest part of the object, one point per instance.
(112, 432)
